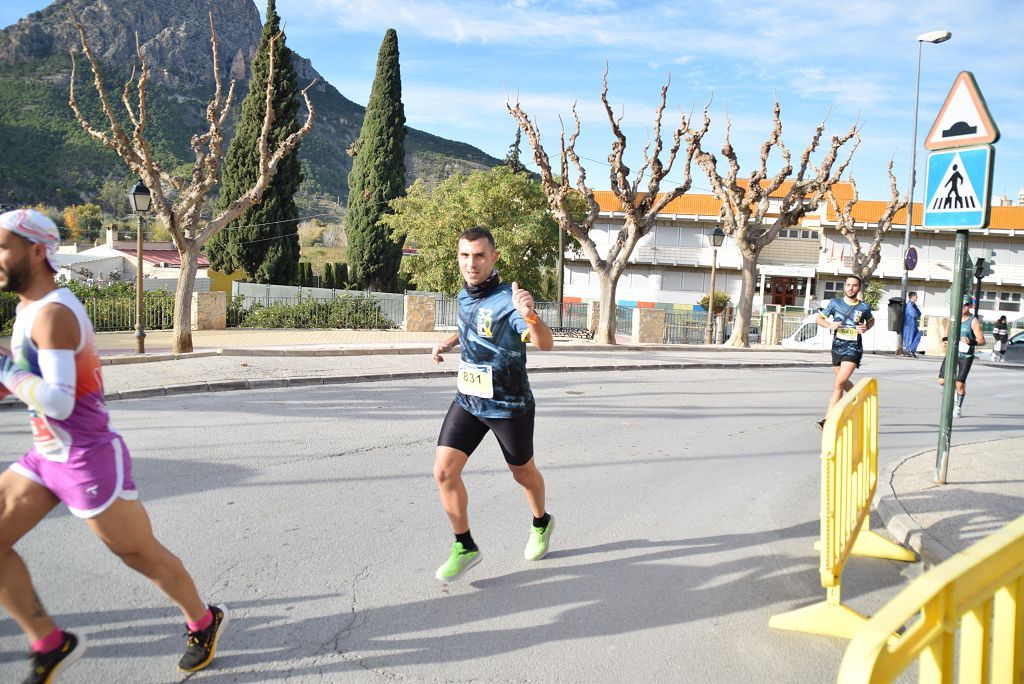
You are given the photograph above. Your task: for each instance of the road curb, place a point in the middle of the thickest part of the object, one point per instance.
(900, 524)
(375, 350)
(311, 381)
(316, 380)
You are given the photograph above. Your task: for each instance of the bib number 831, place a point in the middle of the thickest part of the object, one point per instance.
(475, 381)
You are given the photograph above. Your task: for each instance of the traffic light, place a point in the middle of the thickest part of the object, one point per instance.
(983, 267)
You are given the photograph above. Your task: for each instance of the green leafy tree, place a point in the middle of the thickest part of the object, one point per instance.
(264, 240)
(721, 302)
(512, 206)
(377, 177)
(85, 221)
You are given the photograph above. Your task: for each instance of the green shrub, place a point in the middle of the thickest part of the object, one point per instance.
(358, 312)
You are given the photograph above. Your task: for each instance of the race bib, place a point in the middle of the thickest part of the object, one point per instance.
(963, 347)
(475, 380)
(847, 333)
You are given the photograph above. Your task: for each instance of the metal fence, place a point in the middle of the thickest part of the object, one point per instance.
(685, 327)
(110, 314)
(624, 320)
(446, 312)
(574, 315)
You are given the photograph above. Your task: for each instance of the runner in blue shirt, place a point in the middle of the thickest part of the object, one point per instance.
(495, 320)
(847, 317)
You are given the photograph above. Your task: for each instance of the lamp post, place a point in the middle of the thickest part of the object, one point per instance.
(139, 198)
(717, 237)
(930, 37)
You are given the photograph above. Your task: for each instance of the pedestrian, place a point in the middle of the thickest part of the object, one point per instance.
(76, 458)
(911, 325)
(1000, 338)
(495, 320)
(848, 318)
(970, 336)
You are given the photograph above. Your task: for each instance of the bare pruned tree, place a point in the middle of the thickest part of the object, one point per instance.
(640, 208)
(866, 261)
(177, 203)
(748, 216)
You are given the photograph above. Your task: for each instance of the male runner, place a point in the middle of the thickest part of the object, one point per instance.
(495, 320)
(971, 336)
(847, 317)
(75, 458)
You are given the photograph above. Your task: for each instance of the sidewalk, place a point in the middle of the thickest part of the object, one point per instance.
(984, 491)
(985, 487)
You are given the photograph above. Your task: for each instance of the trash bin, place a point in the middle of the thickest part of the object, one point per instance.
(896, 314)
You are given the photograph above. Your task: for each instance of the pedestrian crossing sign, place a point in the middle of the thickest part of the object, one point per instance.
(957, 187)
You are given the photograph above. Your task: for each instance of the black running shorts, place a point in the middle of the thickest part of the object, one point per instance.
(463, 431)
(838, 359)
(963, 367)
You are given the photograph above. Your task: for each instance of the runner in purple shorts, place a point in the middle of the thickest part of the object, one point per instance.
(75, 458)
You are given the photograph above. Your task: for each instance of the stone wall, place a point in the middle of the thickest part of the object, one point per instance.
(209, 310)
(648, 326)
(420, 312)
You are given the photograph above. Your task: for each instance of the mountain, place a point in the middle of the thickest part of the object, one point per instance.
(48, 157)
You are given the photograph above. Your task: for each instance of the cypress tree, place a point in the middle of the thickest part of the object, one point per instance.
(328, 280)
(512, 160)
(377, 177)
(263, 241)
(341, 274)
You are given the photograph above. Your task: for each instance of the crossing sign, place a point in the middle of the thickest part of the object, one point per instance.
(964, 118)
(957, 187)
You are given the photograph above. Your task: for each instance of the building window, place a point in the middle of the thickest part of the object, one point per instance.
(797, 233)
(833, 288)
(1009, 301)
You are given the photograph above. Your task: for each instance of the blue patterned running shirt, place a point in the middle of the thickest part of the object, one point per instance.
(847, 341)
(492, 378)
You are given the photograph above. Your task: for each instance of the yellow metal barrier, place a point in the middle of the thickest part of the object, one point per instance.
(849, 477)
(977, 595)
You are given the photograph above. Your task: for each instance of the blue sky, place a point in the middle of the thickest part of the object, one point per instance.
(854, 60)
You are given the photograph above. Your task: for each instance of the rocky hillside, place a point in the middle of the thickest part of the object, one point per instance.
(47, 157)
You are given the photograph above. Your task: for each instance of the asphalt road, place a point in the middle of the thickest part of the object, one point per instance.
(687, 504)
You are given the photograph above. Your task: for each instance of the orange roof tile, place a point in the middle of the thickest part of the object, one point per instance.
(865, 211)
(869, 211)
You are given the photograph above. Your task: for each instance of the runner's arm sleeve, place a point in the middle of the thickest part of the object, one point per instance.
(53, 394)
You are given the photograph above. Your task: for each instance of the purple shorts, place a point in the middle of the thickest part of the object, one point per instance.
(89, 481)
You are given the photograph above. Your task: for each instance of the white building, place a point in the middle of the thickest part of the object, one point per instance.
(805, 266)
(116, 260)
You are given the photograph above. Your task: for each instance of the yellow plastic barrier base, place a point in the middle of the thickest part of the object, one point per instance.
(821, 618)
(874, 545)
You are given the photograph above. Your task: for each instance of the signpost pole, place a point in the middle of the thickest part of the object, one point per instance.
(957, 196)
(956, 295)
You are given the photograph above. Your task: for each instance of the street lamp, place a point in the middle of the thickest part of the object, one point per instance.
(717, 237)
(930, 37)
(139, 198)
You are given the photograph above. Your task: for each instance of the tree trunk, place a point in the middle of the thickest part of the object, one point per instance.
(605, 333)
(741, 326)
(183, 298)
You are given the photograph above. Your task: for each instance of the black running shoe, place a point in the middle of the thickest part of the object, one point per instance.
(201, 646)
(46, 666)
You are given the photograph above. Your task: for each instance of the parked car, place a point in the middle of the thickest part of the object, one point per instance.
(1014, 349)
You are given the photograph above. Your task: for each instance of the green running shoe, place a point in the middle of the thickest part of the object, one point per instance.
(537, 546)
(458, 563)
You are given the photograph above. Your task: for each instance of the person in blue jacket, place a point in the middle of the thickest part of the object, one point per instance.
(911, 325)
(495, 321)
